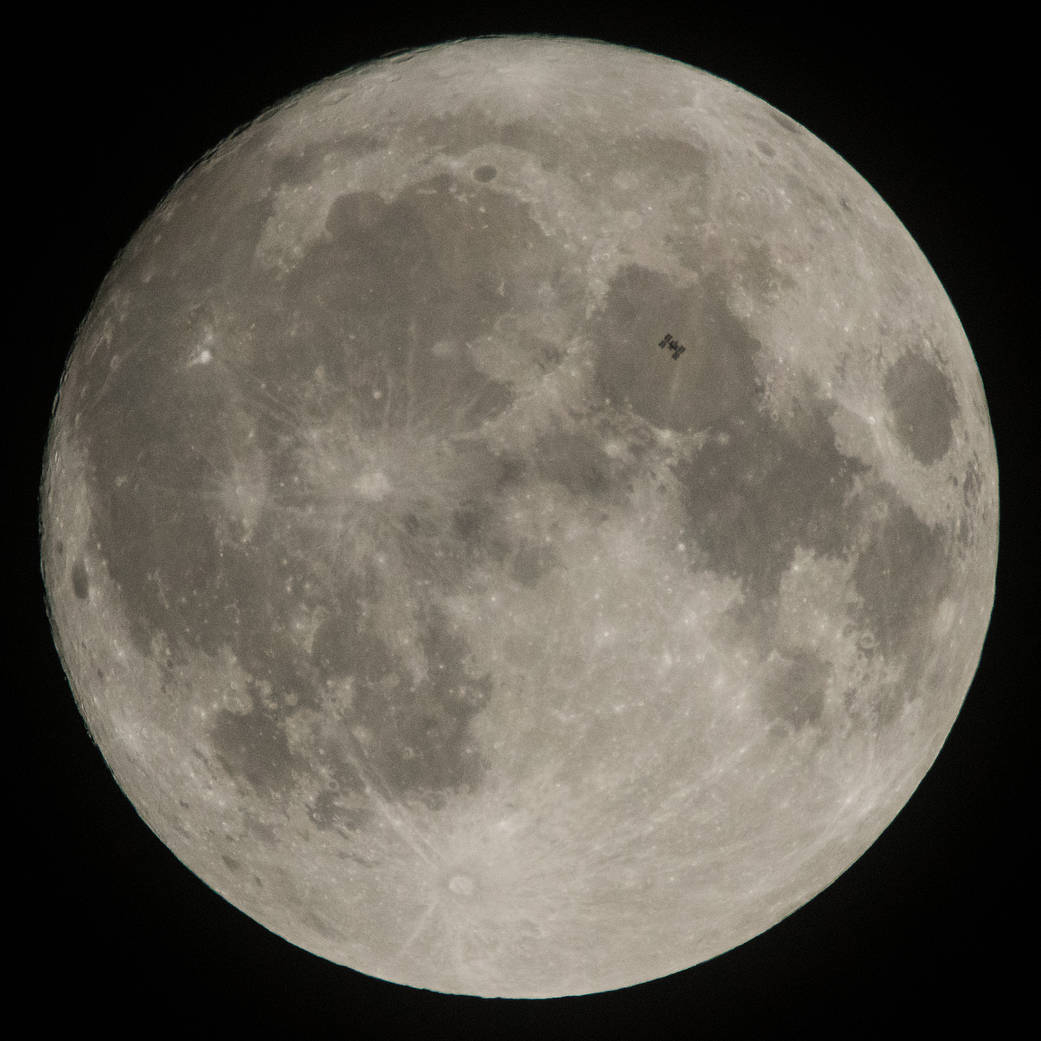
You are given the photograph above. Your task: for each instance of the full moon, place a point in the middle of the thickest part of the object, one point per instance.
(520, 517)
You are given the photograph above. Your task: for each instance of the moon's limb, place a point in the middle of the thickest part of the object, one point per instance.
(437, 617)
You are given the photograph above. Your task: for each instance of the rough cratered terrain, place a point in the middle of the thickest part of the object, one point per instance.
(437, 617)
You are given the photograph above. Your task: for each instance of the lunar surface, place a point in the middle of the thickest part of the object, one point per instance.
(520, 517)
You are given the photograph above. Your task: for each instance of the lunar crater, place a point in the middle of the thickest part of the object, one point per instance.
(80, 581)
(923, 406)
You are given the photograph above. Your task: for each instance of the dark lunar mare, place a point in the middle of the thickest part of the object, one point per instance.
(762, 487)
(163, 439)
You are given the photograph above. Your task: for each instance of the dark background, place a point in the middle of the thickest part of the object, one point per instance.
(923, 934)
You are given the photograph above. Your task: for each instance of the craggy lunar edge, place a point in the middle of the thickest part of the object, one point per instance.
(437, 617)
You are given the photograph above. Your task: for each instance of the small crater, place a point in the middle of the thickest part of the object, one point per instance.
(485, 173)
(972, 486)
(766, 149)
(80, 582)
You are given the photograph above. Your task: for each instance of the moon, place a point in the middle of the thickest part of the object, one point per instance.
(520, 517)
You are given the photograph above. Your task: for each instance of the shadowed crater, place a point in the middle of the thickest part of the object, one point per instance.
(80, 581)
